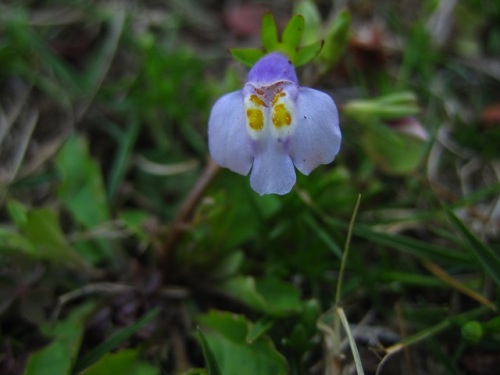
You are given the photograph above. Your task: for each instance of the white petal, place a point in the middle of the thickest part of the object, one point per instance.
(317, 136)
(228, 140)
(273, 171)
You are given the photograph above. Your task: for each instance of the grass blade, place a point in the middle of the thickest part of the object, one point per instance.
(114, 341)
(484, 254)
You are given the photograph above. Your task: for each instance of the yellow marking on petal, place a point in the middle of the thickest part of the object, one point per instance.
(257, 101)
(281, 116)
(279, 94)
(255, 119)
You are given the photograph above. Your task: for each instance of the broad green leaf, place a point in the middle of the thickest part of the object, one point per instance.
(269, 33)
(208, 354)
(486, 257)
(226, 333)
(58, 357)
(246, 56)
(270, 296)
(292, 34)
(115, 340)
(124, 362)
(307, 53)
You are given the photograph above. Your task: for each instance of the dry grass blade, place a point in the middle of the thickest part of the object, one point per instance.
(453, 282)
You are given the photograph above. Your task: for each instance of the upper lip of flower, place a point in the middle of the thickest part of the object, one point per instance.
(272, 125)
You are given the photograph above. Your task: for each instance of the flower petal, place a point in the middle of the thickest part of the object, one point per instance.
(271, 68)
(228, 140)
(273, 171)
(317, 136)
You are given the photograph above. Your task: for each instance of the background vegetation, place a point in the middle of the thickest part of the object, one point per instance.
(124, 250)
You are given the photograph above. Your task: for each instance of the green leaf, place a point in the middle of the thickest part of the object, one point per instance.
(246, 56)
(336, 39)
(292, 34)
(259, 328)
(12, 241)
(269, 295)
(18, 212)
(307, 53)
(486, 257)
(57, 358)
(82, 189)
(134, 221)
(115, 340)
(208, 354)
(42, 229)
(124, 362)
(395, 153)
(82, 192)
(226, 333)
(269, 33)
(309, 10)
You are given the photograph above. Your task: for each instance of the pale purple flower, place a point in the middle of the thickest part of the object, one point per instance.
(272, 125)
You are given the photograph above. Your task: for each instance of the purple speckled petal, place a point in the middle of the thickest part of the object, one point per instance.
(317, 136)
(272, 171)
(272, 68)
(228, 140)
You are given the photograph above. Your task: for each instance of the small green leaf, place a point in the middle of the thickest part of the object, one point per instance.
(394, 153)
(82, 189)
(259, 328)
(208, 354)
(336, 39)
(389, 107)
(124, 362)
(269, 33)
(57, 357)
(307, 53)
(246, 56)
(18, 212)
(134, 221)
(486, 257)
(269, 295)
(11, 241)
(226, 334)
(43, 230)
(82, 192)
(309, 10)
(292, 34)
